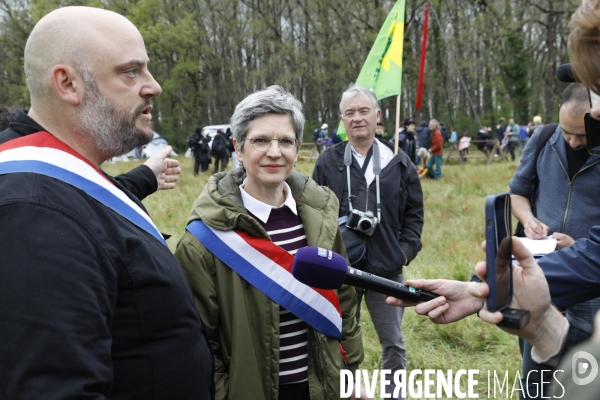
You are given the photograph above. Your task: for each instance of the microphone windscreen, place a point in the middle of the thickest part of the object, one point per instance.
(319, 268)
(564, 73)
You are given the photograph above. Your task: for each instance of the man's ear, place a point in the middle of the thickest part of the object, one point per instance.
(67, 84)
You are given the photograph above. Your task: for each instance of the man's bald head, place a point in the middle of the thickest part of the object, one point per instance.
(73, 36)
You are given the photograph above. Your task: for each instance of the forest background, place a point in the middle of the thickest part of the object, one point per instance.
(209, 54)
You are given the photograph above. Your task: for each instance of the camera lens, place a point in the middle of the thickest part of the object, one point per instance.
(365, 225)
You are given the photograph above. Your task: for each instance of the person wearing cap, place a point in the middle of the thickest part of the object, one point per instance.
(324, 136)
(406, 139)
(318, 136)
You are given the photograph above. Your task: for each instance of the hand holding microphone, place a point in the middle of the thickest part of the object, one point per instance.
(325, 269)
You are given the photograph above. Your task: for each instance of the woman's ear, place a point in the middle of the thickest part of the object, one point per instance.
(238, 151)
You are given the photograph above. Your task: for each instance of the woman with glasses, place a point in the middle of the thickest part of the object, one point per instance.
(244, 230)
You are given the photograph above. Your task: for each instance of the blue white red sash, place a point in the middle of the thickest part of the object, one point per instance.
(268, 268)
(41, 153)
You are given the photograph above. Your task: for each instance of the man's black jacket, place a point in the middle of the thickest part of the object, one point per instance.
(397, 239)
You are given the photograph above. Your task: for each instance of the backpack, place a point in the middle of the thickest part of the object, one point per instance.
(523, 134)
(316, 134)
(547, 132)
(204, 148)
(230, 147)
(219, 147)
(192, 142)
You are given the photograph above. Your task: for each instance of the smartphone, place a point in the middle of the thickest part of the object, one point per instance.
(592, 134)
(498, 251)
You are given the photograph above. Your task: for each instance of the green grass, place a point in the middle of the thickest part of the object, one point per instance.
(452, 237)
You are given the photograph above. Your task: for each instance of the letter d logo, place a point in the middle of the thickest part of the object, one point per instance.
(580, 367)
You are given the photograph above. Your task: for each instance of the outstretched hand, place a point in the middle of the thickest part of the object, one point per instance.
(166, 170)
(454, 303)
(530, 292)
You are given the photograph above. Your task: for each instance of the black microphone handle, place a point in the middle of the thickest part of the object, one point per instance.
(368, 281)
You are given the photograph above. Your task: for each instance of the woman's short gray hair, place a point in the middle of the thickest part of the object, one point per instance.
(273, 99)
(354, 91)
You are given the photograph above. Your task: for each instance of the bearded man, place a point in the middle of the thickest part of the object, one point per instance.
(94, 305)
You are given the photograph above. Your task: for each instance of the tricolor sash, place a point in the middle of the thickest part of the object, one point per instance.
(268, 268)
(41, 153)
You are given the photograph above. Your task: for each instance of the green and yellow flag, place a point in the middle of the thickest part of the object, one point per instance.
(382, 70)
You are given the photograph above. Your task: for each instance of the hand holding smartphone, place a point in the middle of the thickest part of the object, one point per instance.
(499, 261)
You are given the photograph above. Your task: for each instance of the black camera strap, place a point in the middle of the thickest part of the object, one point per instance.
(373, 151)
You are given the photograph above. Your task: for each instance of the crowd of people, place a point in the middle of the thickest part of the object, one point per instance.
(94, 304)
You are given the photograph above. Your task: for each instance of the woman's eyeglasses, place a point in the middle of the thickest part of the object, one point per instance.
(287, 144)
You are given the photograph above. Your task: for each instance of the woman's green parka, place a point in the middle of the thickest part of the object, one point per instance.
(243, 323)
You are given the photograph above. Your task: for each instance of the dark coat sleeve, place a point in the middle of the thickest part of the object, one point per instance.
(57, 307)
(573, 273)
(140, 181)
(413, 217)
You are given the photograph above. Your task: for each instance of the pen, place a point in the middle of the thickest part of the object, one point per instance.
(533, 217)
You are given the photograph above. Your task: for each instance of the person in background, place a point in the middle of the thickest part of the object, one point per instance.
(444, 132)
(453, 136)
(265, 344)
(204, 150)
(424, 135)
(220, 151)
(194, 143)
(523, 138)
(380, 134)
(512, 131)
(484, 139)
(535, 123)
(7, 116)
(234, 160)
(463, 145)
(396, 238)
(324, 136)
(423, 155)
(500, 130)
(436, 150)
(335, 139)
(406, 139)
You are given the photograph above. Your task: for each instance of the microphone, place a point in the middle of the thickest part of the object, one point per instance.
(564, 73)
(326, 269)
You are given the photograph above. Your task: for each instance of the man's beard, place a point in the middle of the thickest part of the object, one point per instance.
(113, 131)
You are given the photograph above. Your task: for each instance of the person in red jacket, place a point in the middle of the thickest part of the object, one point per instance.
(434, 165)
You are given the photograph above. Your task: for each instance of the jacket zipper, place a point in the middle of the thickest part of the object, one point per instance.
(322, 365)
(570, 186)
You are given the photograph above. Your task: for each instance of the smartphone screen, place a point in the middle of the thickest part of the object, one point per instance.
(499, 251)
(592, 134)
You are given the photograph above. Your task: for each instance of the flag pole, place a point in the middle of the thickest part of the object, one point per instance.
(396, 133)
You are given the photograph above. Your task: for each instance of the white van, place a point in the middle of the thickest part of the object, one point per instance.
(212, 131)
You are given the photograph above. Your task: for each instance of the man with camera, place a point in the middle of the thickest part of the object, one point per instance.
(381, 210)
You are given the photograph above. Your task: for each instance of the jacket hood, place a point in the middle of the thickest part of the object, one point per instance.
(220, 206)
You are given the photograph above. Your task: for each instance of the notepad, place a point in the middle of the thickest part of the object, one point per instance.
(539, 247)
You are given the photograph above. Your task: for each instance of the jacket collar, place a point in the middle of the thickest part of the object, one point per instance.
(262, 210)
(220, 206)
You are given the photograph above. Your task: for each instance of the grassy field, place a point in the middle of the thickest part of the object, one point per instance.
(452, 237)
